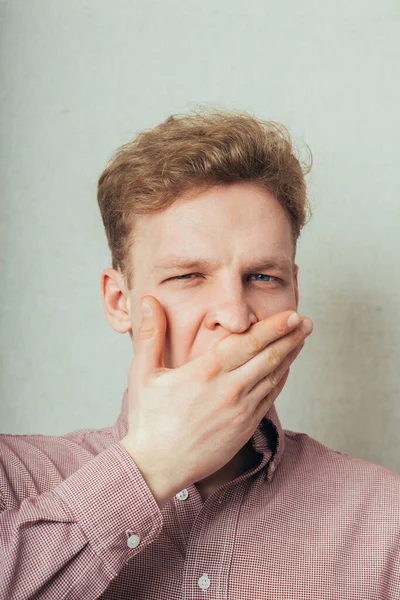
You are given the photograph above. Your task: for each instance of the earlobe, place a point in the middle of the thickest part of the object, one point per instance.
(115, 301)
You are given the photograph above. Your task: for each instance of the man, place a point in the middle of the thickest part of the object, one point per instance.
(197, 491)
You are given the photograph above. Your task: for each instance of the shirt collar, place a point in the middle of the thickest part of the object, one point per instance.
(268, 439)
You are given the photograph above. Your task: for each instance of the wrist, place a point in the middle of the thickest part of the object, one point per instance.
(160, 490)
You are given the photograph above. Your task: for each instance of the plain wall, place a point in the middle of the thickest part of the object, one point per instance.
(80, 78)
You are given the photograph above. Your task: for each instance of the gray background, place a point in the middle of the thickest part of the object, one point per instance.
(80, 78)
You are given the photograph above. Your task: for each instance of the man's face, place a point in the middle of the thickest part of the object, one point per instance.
(243, 239)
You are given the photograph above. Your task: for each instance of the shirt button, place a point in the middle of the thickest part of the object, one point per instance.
(272, 467)
(133, 541)
(182, 495)
(204, 582)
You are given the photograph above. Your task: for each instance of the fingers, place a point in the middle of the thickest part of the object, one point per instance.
(150, 347)
(267, 401)
(269, 361)
(236, 349)
(271, 381)
(265, 392)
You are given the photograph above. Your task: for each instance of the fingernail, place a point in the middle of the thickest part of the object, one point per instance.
(307, 326)
(293, 320)
(146, 309)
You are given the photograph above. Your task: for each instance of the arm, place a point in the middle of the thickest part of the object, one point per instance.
(71, 541)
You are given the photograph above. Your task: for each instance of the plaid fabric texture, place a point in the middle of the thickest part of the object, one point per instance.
(78, 522)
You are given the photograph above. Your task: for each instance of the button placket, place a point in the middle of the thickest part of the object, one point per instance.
(204, 582)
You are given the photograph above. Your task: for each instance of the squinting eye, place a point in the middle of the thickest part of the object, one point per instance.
(267, 280)
(269, 277)
(181, 276)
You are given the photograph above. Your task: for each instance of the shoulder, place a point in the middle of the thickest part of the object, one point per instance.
(33, 464)
(340, 470)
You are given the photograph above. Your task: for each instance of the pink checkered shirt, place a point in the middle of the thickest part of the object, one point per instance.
(308, 523)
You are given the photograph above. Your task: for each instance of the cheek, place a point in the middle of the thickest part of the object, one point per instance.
(182, 327)
(286, 300)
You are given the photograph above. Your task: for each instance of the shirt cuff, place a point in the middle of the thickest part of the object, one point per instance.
(112, 503)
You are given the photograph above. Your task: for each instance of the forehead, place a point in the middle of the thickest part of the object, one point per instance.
(236, 220)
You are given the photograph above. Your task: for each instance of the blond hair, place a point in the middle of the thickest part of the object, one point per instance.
(194, 152)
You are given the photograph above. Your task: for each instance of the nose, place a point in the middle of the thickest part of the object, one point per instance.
(234, 314)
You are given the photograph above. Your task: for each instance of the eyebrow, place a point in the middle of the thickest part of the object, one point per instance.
(176, 262)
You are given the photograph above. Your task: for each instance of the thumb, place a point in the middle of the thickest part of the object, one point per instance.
(150, 348)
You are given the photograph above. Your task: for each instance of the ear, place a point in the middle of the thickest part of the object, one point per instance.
(116, 300)
(296, 285)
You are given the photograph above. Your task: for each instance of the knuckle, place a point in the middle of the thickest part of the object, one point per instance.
(234, 394)
(274, 357)
(252, 345)
(146, 334)
(241, 418)
(298, 337)
(281, 327)
(212, 368)
(274, 379)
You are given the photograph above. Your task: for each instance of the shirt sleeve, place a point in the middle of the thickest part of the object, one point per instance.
(71, 541)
